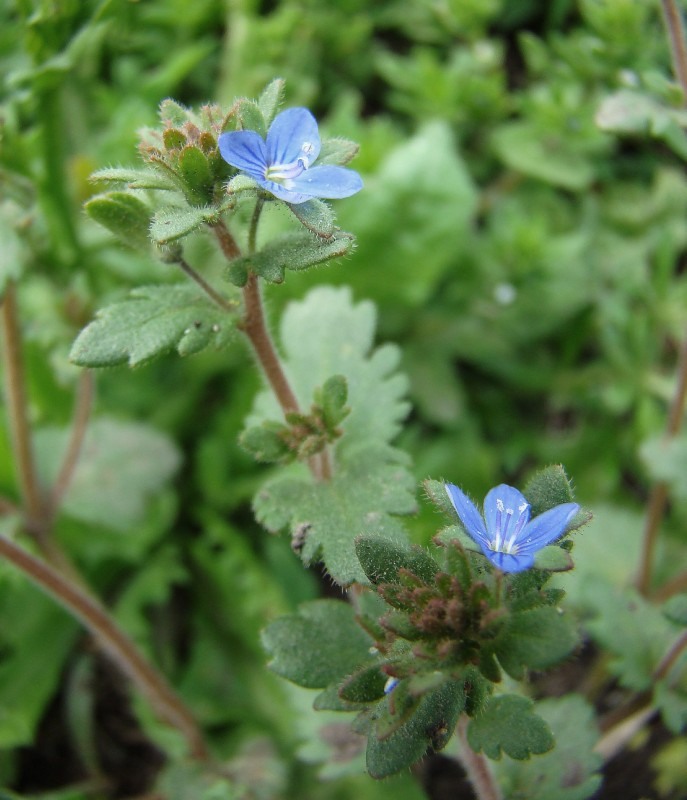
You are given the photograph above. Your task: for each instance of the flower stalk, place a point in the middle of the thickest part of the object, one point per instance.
(476, 766)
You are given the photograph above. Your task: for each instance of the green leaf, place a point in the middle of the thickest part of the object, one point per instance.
(364, 686)
(326, 334)
(509, 725)
(569, 771)
(365, 495)
(250, 116)
(122, 465)
(431, 725)
(550, 487)
(317, 217)
(320, 644)
(124, 215)
(523, 147)
(170, 224)
(151, 321)
(332, 400)
(296, 251)
(553, 559)
(134, 178)
(270, 99)
(536, 638)
(675, 609)
(13, 251)
(266, 442)
(382, 559)
(437, 495)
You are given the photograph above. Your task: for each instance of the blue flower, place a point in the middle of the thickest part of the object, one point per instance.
(506, 535)
(281, 164)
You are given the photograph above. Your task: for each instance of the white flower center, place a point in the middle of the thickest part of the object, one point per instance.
(504, 539)
(285, 173)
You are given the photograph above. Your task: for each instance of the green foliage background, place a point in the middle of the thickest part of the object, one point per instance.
(521, 233)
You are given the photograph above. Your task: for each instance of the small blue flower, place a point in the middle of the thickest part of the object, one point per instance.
(281, 164)
(506, 535)
(390, 685)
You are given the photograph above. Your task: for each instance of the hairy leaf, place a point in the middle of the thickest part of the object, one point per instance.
(151, 321)
(510, 725)
(170, 224)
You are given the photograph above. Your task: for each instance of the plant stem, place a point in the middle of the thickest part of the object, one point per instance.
(216, 298)
(659, 494)
(29, 487)
(476, 766)
(669, 659)
(226, 241)
(616, 738)
(113, 641)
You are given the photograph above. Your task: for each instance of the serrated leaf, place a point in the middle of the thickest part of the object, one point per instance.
(320, 644)
(382, 559)
(509, 725)
(170, 224)
(327, 334)
(270, 99)
(365, 495)
(430, 726)
(569, 771)
(121, 466)
(296, 251)
(133, 178)
(317, 217)
(124, 215)
(536, 638)
(151, 321)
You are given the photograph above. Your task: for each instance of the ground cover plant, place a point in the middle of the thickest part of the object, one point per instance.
(343, 369)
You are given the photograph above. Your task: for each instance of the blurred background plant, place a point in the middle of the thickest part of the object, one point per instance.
(522, 235)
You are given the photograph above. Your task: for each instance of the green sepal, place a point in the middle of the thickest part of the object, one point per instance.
(174, 139)
(172, 112)
(509, 725)
(331, 398)
(536, 638)
(124, 215)
(133, 178)
(296, 251)
(397, 621)
(266, 443)
(170, 224)
(553, 559)
(317, 217)
(675, 609)
(152, 321)
(270, 100)
(250, 116)
(364, 686)
(548, 488)
(478, 687)
(337, 151)
(437, 495)
(330, 700)
(381, 560)
(458, 562)
(455, 533)
(320, 644)
(194, 168)
(430, 726)
(489, 666)
(242, 184)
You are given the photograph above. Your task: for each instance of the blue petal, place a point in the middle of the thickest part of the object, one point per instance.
(469, 515)
(546, 528)
(290, 131)
(509, 562)
(246, 151)
(511, 498)
(328, 181)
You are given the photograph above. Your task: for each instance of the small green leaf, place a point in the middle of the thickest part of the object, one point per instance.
(195, 170)
(332, 399)
(133, 178)
(364, 686)
(437, 495)
(266, 442)
(553, 559)
(675, 609)
(251, 117)
(124, 215)
(270, 100)
(172, 112)
(548, 488)
(170, 224)
(320, 644)
(174, 139)
(337, 151)
(431, 725)
(536, 638)
(509, 725)
(151, 321)
(317, 217)
(382, 559)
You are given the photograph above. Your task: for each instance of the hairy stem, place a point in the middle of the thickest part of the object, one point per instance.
(476, 766)
(216, 298)
(13, 364)
(659, 494)
(113, 641)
